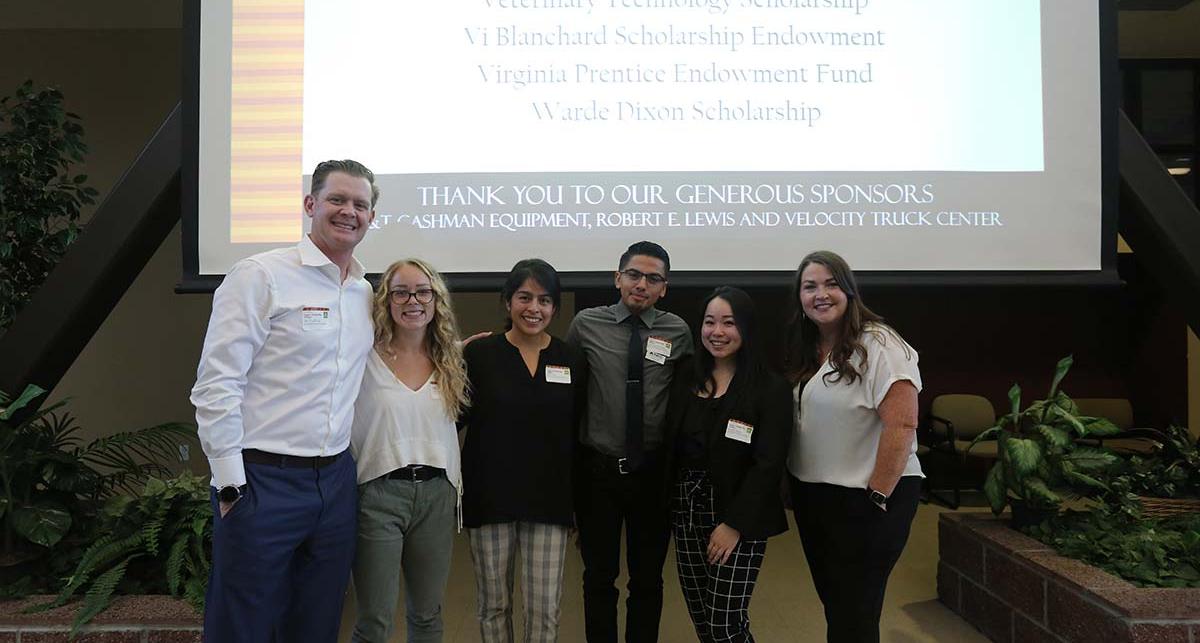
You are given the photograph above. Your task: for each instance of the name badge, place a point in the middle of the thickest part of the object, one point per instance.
(658, 350)
(558, 374)
(315, 318)
(739, 431)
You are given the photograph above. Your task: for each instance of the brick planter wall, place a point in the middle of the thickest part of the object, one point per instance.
(1016, 589)
(130, 619)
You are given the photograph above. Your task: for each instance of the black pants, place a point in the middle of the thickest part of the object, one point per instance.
(605, 499)
(717, 596)
(851, 546)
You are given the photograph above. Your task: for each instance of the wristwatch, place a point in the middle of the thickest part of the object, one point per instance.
(877, 498)
(229, 494)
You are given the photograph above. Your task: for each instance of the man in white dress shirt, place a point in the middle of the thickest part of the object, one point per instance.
(282, 363)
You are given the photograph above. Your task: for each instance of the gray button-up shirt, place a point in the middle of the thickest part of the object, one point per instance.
(602, 335)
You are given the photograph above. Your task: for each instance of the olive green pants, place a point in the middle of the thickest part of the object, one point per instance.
(407, 528)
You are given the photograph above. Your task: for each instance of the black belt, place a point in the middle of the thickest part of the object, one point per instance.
(607, 463)
(416, 473)
(254, 456)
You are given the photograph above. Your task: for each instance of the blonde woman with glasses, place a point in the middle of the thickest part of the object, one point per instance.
(406, 445)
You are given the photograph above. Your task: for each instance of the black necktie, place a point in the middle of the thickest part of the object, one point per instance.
(633, 396)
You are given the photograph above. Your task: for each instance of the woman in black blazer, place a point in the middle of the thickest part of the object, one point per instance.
(728, 427)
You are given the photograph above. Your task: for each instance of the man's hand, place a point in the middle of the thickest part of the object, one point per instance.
(224, 507)
(721, 543)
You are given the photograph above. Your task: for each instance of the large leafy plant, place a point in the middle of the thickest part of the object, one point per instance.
(40, 199)
(51, 481)
(1040, 460)
(1113, 533)
(157, 542)
(1149, 553)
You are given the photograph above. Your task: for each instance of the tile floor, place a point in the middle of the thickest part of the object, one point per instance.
(785, 606)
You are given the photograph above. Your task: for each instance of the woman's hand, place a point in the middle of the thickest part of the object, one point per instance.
(721, 543)
(462, 343)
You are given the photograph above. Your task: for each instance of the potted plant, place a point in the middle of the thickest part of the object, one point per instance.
(1145, 527)
(156, 542)
(40, 199)
(1041, 461)
(1163, 483)
(52, 483)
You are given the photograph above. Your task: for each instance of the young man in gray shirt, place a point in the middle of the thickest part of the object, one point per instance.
(632, 350)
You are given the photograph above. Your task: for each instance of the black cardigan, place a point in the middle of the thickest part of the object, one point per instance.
(746, 478)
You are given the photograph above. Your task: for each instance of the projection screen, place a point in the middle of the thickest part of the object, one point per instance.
(948, 137)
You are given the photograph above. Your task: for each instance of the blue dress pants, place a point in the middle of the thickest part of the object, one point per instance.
(282, 555)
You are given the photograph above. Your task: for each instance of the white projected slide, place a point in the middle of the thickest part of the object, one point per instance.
(740, 134)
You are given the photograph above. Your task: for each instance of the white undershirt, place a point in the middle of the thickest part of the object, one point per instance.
(838, 424)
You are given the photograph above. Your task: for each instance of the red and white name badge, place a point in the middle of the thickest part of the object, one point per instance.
(558, 374)
(315, 318)
(738, 430)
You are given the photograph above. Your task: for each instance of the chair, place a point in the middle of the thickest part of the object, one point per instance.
(954, 421)
(1119, 411)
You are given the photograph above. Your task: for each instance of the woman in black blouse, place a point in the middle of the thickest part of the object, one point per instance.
(730, 424)
(517, 456)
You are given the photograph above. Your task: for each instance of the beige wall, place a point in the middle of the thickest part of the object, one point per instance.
(122, 82)
(118, 63)
(1160, 34)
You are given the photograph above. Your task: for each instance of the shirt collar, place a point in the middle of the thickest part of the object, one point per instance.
(311, 255)
(621, 313)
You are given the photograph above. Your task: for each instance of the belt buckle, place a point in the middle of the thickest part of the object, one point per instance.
(621, 466)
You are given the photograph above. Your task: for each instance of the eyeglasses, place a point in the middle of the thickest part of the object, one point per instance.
(652, 278)
(401, 297)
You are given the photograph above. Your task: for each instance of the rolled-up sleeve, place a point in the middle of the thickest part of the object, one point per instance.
(237, 330)
(891, 360)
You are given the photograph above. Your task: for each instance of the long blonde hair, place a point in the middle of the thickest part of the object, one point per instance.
(441, 335)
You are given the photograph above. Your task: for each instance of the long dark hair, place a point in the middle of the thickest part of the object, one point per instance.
(748, 360)
(803, 335)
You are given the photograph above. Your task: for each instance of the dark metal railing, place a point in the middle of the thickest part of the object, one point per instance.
(1159, 223)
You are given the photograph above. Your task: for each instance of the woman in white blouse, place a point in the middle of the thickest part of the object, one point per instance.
(855, 478)
(406, 444)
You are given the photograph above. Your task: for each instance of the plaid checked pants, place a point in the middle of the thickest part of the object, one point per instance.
(494, 554)
(717, 596)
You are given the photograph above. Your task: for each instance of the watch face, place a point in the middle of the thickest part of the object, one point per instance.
(228, 494)
(878, 497)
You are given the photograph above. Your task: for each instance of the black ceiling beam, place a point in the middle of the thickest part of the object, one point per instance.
(125, 231)
(1159, 223)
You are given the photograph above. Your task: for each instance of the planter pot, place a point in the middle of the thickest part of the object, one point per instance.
(130, 618)
(1015, 589)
